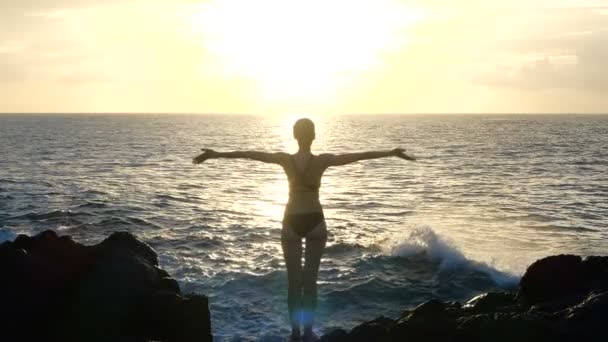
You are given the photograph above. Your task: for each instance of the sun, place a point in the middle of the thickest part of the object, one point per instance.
(300, 49)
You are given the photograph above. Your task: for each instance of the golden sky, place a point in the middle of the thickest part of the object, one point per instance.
(313, 56)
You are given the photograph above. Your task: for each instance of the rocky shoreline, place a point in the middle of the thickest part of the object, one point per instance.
(55, 289)
(560, 298)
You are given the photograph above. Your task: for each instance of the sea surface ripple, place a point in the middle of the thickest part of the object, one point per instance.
(489, 195)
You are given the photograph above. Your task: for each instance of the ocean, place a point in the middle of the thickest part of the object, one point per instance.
(488, 195)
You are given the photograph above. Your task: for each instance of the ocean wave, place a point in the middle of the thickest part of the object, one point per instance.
(5, 198)
(55, 214)
(93, 205)
(164, 197)
(424, 241)
(343, 248)
(127, 221)
(25, 182)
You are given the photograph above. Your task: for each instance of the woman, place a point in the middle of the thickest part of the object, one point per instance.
(303, 217)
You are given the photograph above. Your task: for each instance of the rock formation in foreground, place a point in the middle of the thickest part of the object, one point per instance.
(55, 289)
(560, 298)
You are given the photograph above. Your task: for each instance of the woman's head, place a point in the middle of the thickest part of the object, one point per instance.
(304, 131)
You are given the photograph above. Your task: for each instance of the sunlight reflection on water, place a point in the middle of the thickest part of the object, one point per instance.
(501, 192)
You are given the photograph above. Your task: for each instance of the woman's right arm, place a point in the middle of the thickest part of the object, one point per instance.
(272, 158)
(348, 158)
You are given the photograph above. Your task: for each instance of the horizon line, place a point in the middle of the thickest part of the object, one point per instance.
(303, 113)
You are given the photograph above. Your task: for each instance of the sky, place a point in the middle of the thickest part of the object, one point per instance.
(323, 57)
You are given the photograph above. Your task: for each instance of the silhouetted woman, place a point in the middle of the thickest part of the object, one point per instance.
(303, 217)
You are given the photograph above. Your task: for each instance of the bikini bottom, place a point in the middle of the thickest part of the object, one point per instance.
(303, 224)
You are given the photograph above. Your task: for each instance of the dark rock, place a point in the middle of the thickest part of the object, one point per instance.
(169, 284)
(430, 321)
(585, 321)
(558, 304)
(171, 317)
(553, 278)
(561, 298)
(563, 276)
(193, 317)
(128, 241)
(596, 268)
(503, 327)
(490, 302)
(336, 335)
(376, 330)
(56, 289)
(22, 241)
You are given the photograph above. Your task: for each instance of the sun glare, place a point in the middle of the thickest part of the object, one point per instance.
(300, 49)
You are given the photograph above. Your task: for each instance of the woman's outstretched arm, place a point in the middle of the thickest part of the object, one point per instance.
(347, 158)
(272, 158)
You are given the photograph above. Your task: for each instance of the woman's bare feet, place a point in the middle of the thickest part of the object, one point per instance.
(295, 336)
(309, 336)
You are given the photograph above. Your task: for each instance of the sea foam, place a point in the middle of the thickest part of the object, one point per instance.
(424, 241)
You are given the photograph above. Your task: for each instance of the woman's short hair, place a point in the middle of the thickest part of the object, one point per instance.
(304, 130)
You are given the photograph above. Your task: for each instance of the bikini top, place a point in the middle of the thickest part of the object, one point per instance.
(299, 182)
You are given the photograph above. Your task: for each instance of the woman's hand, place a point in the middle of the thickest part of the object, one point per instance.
(399, 152)
(207, 154)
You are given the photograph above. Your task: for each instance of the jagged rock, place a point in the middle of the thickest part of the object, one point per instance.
(585, 321)
(430, 321)
(561, 276)
(125, 240)
(336, 335)
(56, 289)
(503, 327)
(376, 330)
(596, 268)
(490, 302)
(38, 275)
(559, 304)
(561, 298)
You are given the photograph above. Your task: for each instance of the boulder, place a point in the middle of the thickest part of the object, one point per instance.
(336, 335)
(431, 321)
(585, 321)
(504, 327)
(56, 289)
(557, 277)
(376, 330)
(490, 302)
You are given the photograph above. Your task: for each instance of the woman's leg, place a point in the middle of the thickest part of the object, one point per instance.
(315, 245)
(292, 251)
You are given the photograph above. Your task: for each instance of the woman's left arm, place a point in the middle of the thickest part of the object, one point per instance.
(348, 158)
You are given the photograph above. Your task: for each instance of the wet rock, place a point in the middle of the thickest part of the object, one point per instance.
(596, 268)
(561, 298)
(499, 327)
(585, 321)
(170, 284)
(55, 289)
(556, 277)
(430, 321)
(125, 240)
(376, 330)
(490, 302)
(336, 335)
(558, 304)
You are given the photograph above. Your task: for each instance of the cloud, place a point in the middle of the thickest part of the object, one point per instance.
(45, 5)
(464, 52)
(580, 65)
(83, 77)
(10, 69)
